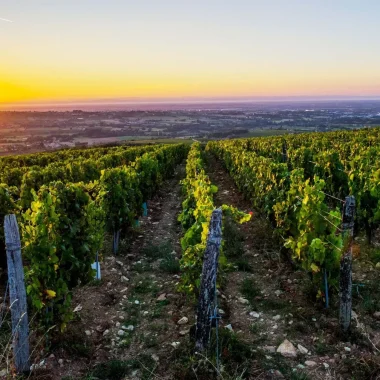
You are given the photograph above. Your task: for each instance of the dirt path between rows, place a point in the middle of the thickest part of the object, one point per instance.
(128, 321)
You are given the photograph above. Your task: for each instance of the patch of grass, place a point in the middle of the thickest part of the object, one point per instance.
(254, 328)
(367, 298)
(363, 367)
(118, 369)
(158, 308)
(170, 264)
(275, 304)
(155, 252)
(242, 265)
(96, 282)
(142, 267)
(250, 290)
(145, 285)
(232, 239)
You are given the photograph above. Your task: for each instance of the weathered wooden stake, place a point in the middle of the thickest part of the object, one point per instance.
(19, 312)
(116, 239)
(208, 281)
(345, 281)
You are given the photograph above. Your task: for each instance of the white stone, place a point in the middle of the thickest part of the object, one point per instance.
(155, 358)
(326, 365)
(254, 314)
(161, 297)
(277, 317)
(271, 349)
(121, 333)
(119, 263)
(229, 327)
(123, 290)
(117, 324)
(184, 332)
(347, 349)
(88, 332)
(106, 332)
(128, 328)
(310, 363)
(137, 302)
(124, 279)
(287, 349)
(175, 344)
(242, 300)
(183, 321)
(303, 350)
(376, 315)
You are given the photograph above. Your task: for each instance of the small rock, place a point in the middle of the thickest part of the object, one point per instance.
(326, 365)
(183, 321)
(121, 333)
(137, 302)
(175, 344)
(52, 356)
(118, 324)
(106, 332)
(278, 293)
(155, 358)
(124, 279)
(78, 308)
(287, 349)
(277, 317)
(377, 265)
(161, 297)
(310, 363)
(119, 263)
(278, 375)
(242, 300)
(254, 314)
(271, 349)
(3, 373)
(301, 366)
(60, 362)
(347, 349)
(303, 350)
(376, 315)
(123, 290)
(128, 328)
(88, 332)
(184, 332)
(221, 312)
(229, 327)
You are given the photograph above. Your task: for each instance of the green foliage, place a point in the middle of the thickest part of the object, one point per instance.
(195, 219)
(61, 233)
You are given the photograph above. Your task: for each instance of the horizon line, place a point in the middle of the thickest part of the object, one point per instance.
(184, 99)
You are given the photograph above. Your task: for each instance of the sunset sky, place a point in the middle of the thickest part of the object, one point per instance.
(90, 49)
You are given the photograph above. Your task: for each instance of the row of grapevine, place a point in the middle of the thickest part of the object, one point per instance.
(296, 205)
(348, 162)
(72, 169)
(64, 227)
(198, 206)
(45, 158)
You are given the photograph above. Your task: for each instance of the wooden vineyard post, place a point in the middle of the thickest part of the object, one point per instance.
(345, 281)
(19, 313)
(207, 296)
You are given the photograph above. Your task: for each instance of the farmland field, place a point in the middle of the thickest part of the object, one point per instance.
(144, 211)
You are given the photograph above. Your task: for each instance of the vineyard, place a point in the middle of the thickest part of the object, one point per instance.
(296, 292)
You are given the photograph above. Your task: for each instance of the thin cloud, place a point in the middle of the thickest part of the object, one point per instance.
(4, 19)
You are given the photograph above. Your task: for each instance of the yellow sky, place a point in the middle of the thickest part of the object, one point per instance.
(69, 50)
